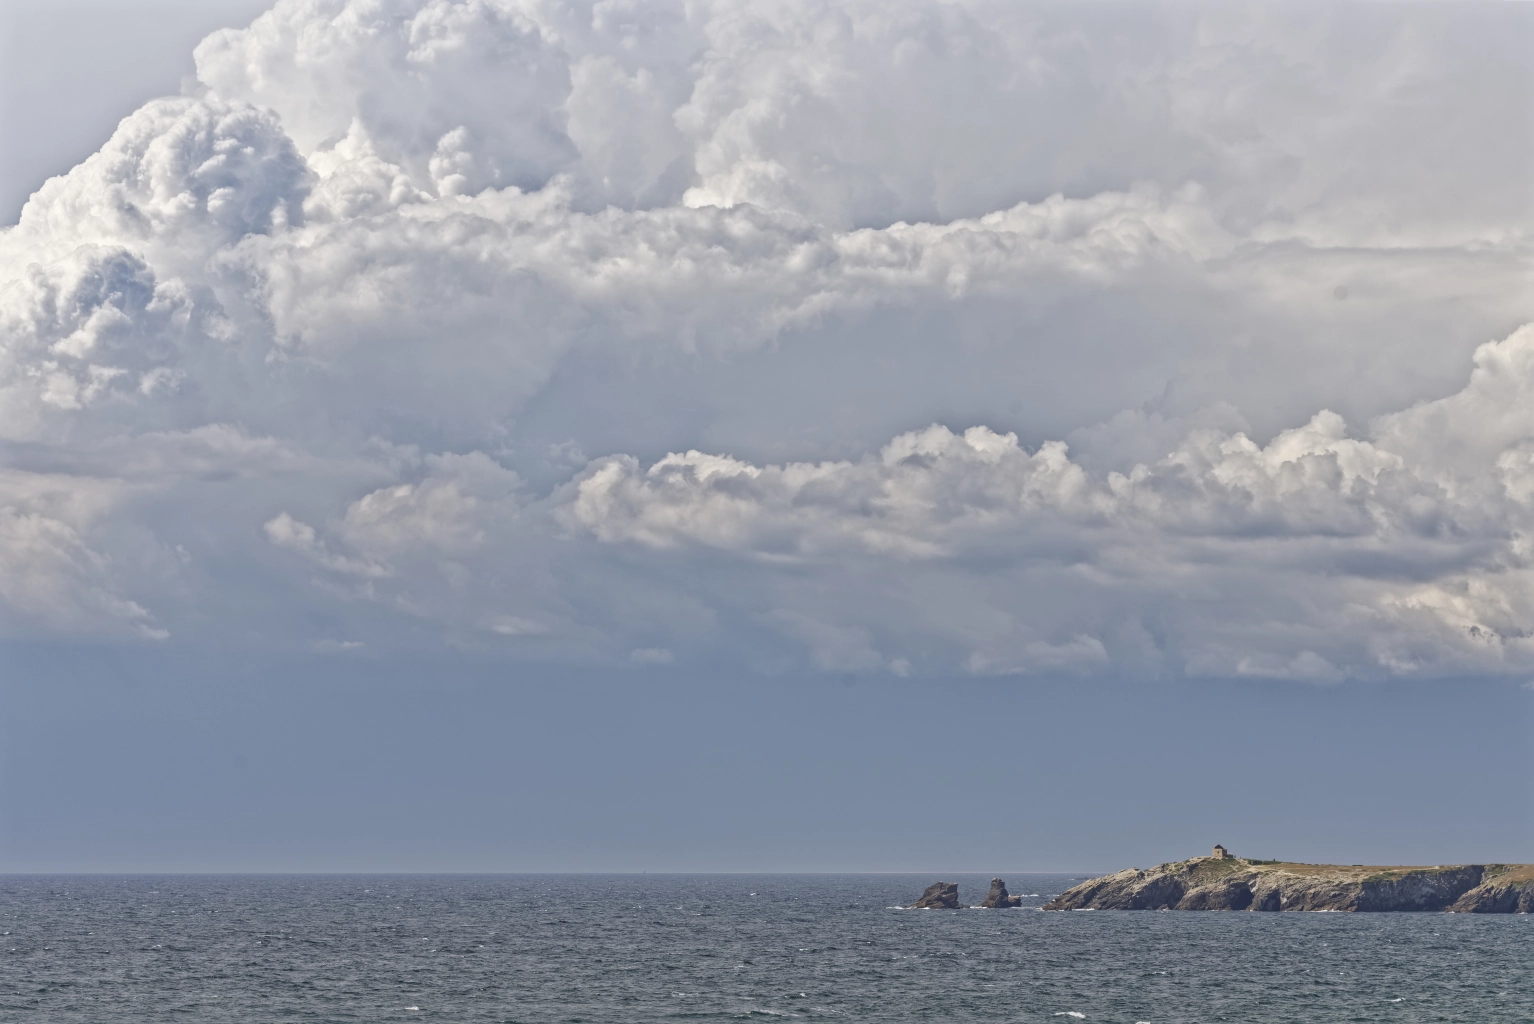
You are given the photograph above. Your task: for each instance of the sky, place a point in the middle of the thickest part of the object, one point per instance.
(522, 435)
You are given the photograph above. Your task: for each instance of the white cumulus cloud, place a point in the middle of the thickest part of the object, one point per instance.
(908, 337)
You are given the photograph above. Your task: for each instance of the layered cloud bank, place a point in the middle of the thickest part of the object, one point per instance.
(900, 337)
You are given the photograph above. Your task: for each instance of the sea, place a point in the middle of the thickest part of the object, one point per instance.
(638, 948)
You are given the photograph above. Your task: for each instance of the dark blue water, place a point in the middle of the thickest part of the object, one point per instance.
(537, 948)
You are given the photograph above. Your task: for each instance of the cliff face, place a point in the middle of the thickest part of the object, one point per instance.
(1205, 883)
(1505, 889)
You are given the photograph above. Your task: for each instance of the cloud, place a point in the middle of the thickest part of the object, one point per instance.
(1384, 561)
(179, 177)
(52, 581)
(651, 656)
(909, 337)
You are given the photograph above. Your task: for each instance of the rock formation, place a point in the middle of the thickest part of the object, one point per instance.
(998, 896)
(1231, 883)
(1504, 889)
(939, 896)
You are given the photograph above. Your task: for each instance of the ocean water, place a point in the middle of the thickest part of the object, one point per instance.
(633, 948)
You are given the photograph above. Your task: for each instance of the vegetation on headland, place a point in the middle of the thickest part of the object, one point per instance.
(1240, 883)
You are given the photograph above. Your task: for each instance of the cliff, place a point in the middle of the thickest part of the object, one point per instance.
(1208, 883)
(1504, 889)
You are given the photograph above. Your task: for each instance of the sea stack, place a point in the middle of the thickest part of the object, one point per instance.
(998, 896)
(939, 896)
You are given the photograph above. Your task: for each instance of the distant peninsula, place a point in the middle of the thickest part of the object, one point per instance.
(1223, 882)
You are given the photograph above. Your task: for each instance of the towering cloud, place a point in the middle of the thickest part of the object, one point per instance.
(891, 337)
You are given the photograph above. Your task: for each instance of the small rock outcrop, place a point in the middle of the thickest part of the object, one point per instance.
(1231, 883)
(939, 896)
(998, 897)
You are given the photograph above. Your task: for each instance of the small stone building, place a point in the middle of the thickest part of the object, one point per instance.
(1220, 853)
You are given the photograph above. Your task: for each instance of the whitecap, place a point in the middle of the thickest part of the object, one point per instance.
(766, 1013)
(1072, 1013)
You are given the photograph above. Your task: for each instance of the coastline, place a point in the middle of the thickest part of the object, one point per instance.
(1235, 883)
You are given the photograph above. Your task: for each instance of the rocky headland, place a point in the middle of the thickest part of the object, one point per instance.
(1234, 883)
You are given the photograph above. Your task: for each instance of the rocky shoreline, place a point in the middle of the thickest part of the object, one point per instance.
(1223, 882)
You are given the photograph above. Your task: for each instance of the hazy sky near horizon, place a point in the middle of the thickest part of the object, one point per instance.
(1139, 387)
